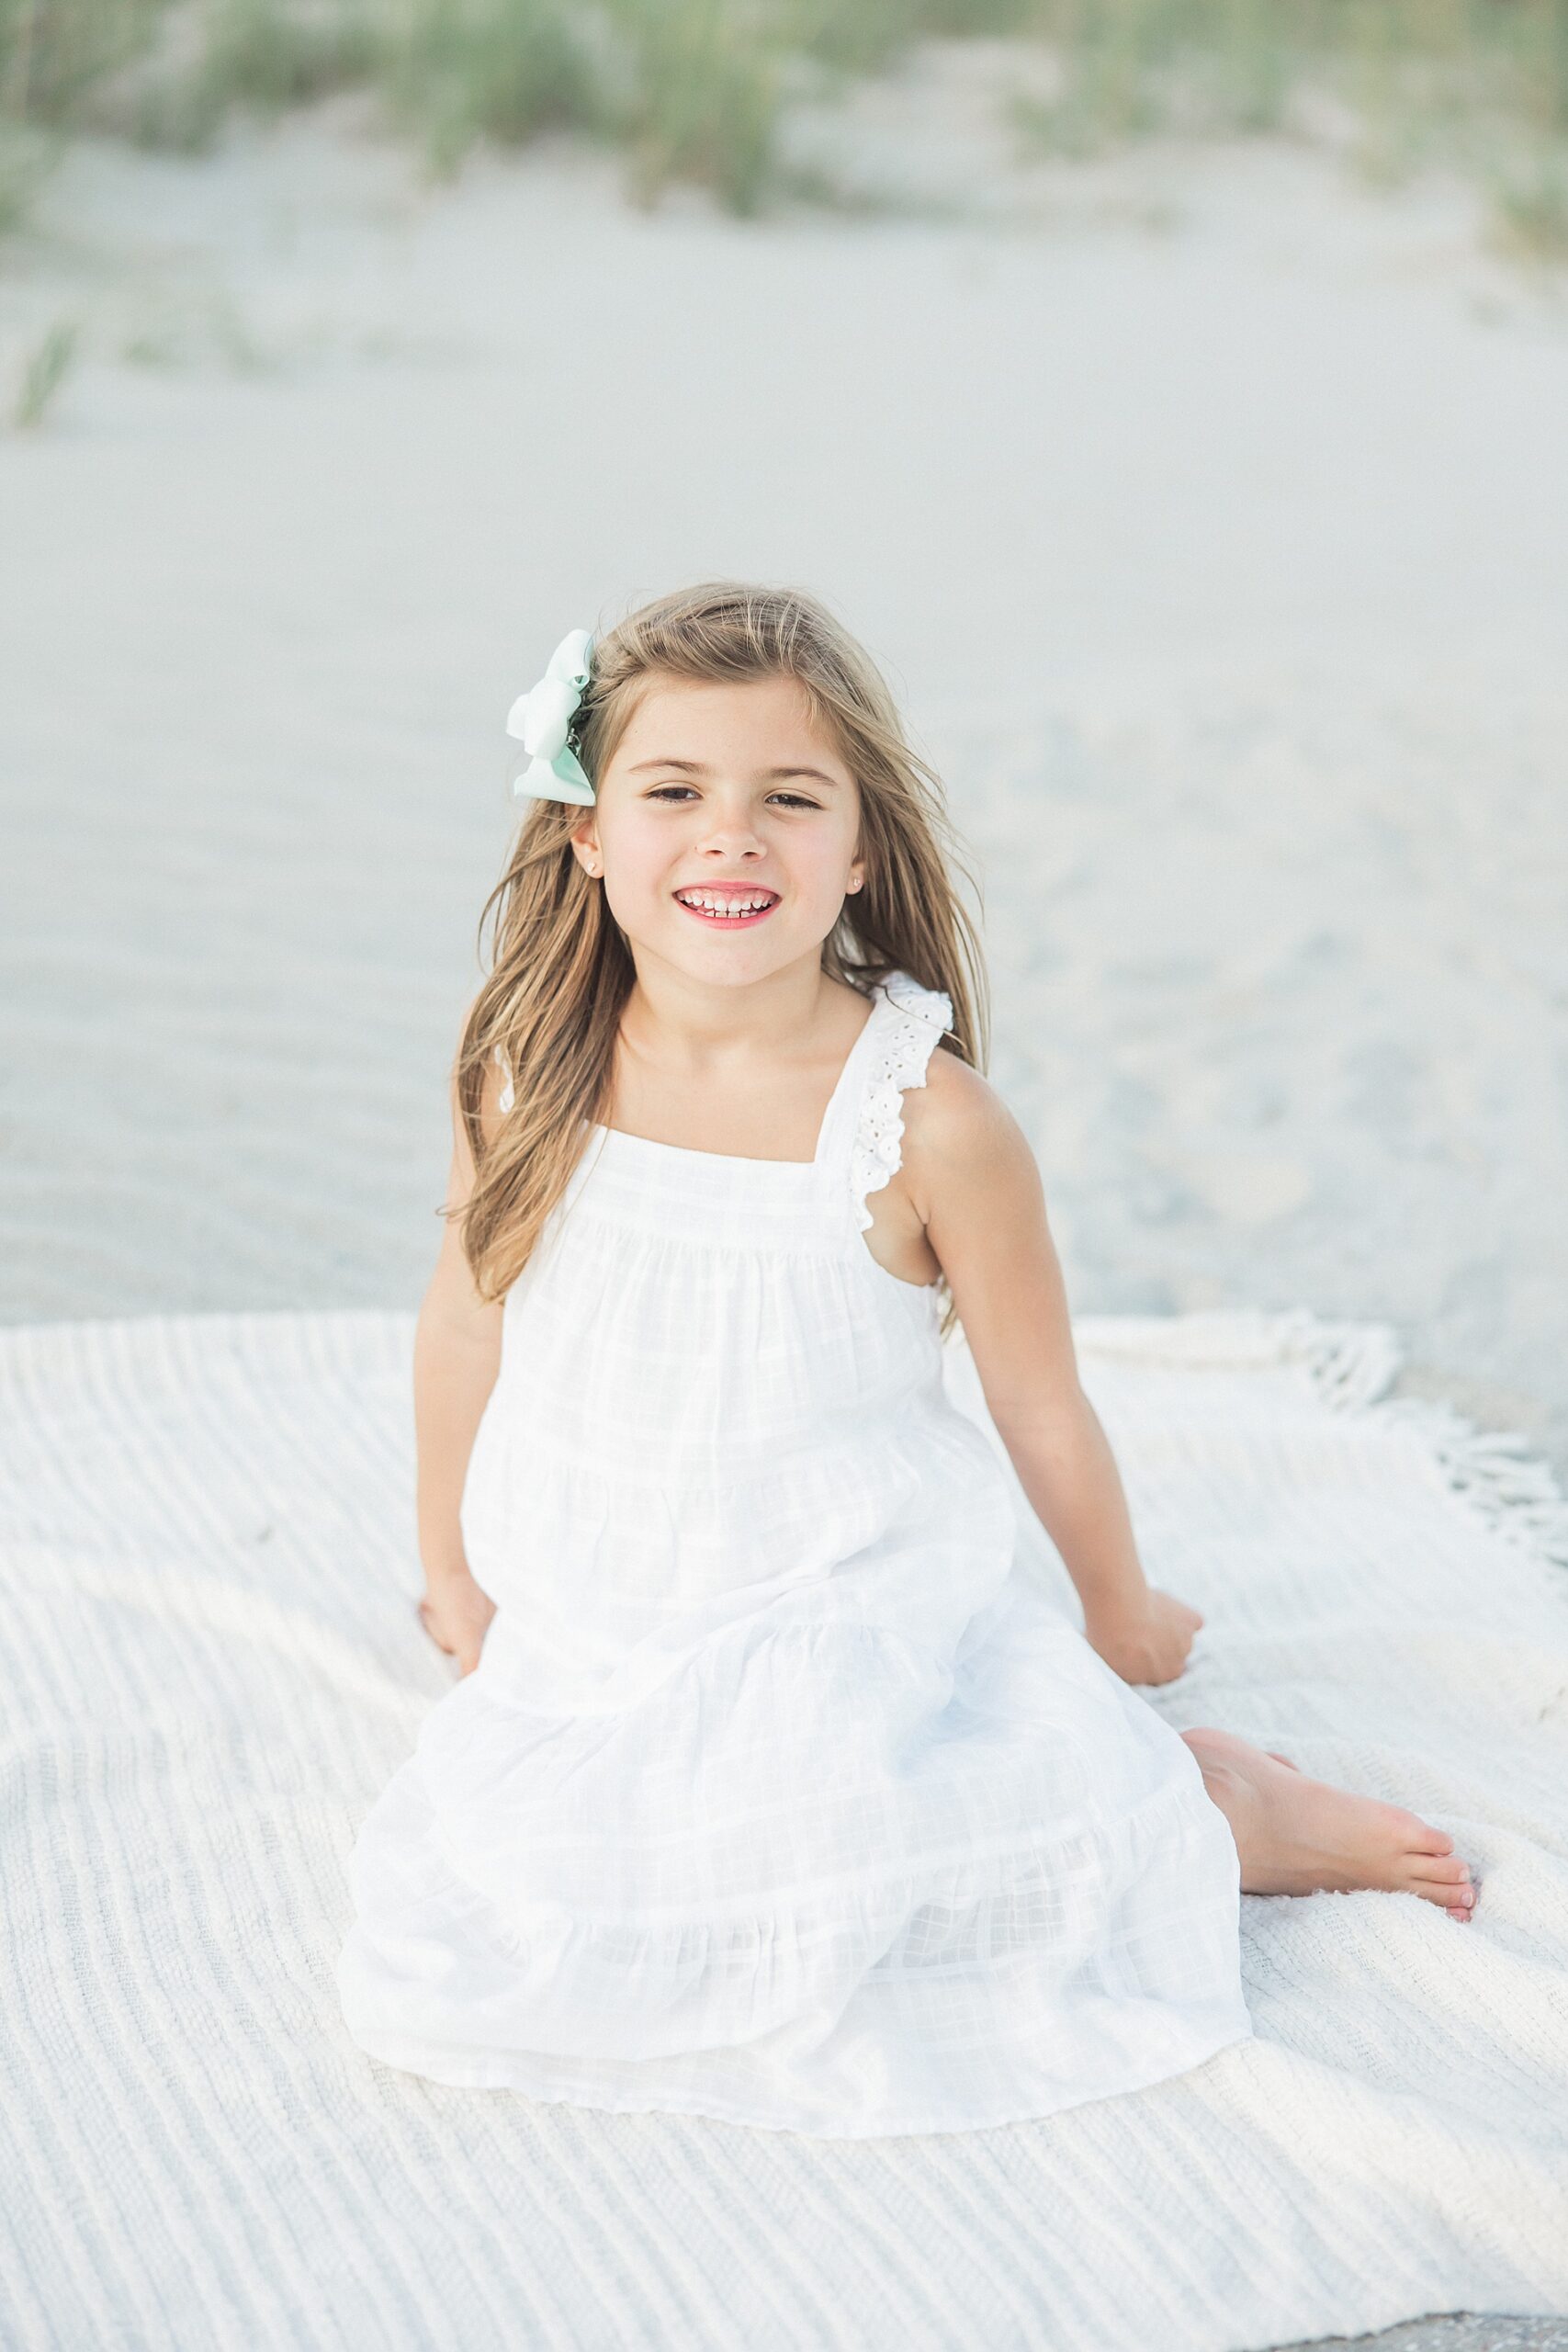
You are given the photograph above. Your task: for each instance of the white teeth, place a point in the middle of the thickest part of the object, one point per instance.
(724, 907)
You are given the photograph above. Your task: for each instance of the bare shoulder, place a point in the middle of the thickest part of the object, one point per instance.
(959, 1133)
(978, 1188)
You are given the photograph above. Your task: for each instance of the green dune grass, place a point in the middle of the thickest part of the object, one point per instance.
(694, 90)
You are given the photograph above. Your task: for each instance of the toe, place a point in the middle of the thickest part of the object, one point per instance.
(1445, 1898)
(1442, 1869)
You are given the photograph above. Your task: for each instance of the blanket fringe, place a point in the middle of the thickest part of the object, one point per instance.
(1350, 1366)
(1512, 1489)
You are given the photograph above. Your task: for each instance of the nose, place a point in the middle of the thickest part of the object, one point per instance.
(730, 835)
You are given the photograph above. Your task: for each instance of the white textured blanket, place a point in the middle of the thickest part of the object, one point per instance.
(212, 1665)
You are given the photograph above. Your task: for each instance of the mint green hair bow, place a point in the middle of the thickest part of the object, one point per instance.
(543, 717)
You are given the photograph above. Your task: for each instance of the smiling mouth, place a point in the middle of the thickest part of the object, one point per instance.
(731, 909)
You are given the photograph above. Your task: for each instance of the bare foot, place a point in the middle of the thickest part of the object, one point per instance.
(1295, 1835)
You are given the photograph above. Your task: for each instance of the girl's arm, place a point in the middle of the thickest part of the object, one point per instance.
(457, 1355)
(974, 1182)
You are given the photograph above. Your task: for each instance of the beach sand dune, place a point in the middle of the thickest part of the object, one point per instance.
(1214, 543)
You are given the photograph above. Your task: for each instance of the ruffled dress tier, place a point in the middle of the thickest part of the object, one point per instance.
(777, 1795)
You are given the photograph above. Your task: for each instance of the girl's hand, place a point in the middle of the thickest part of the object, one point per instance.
(455, 1613)
(1148, 1642)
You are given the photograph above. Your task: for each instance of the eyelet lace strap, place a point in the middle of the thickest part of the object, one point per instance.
(506, 1098)
(912, 1021)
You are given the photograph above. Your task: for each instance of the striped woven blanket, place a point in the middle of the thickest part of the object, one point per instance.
(211, 1665)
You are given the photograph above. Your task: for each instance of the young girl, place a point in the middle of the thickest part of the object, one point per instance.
(769, 1790)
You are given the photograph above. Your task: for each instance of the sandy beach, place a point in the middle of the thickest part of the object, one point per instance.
(1207, 510)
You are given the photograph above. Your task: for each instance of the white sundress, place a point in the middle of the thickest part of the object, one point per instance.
(776, 1796)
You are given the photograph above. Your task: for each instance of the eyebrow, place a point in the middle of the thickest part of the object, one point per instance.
(696, 767)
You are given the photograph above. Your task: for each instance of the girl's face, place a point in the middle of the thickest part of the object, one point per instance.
(728, 794)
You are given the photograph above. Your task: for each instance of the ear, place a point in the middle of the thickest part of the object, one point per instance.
(585, 841)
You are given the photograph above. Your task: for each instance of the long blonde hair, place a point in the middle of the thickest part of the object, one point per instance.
(561, 970)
